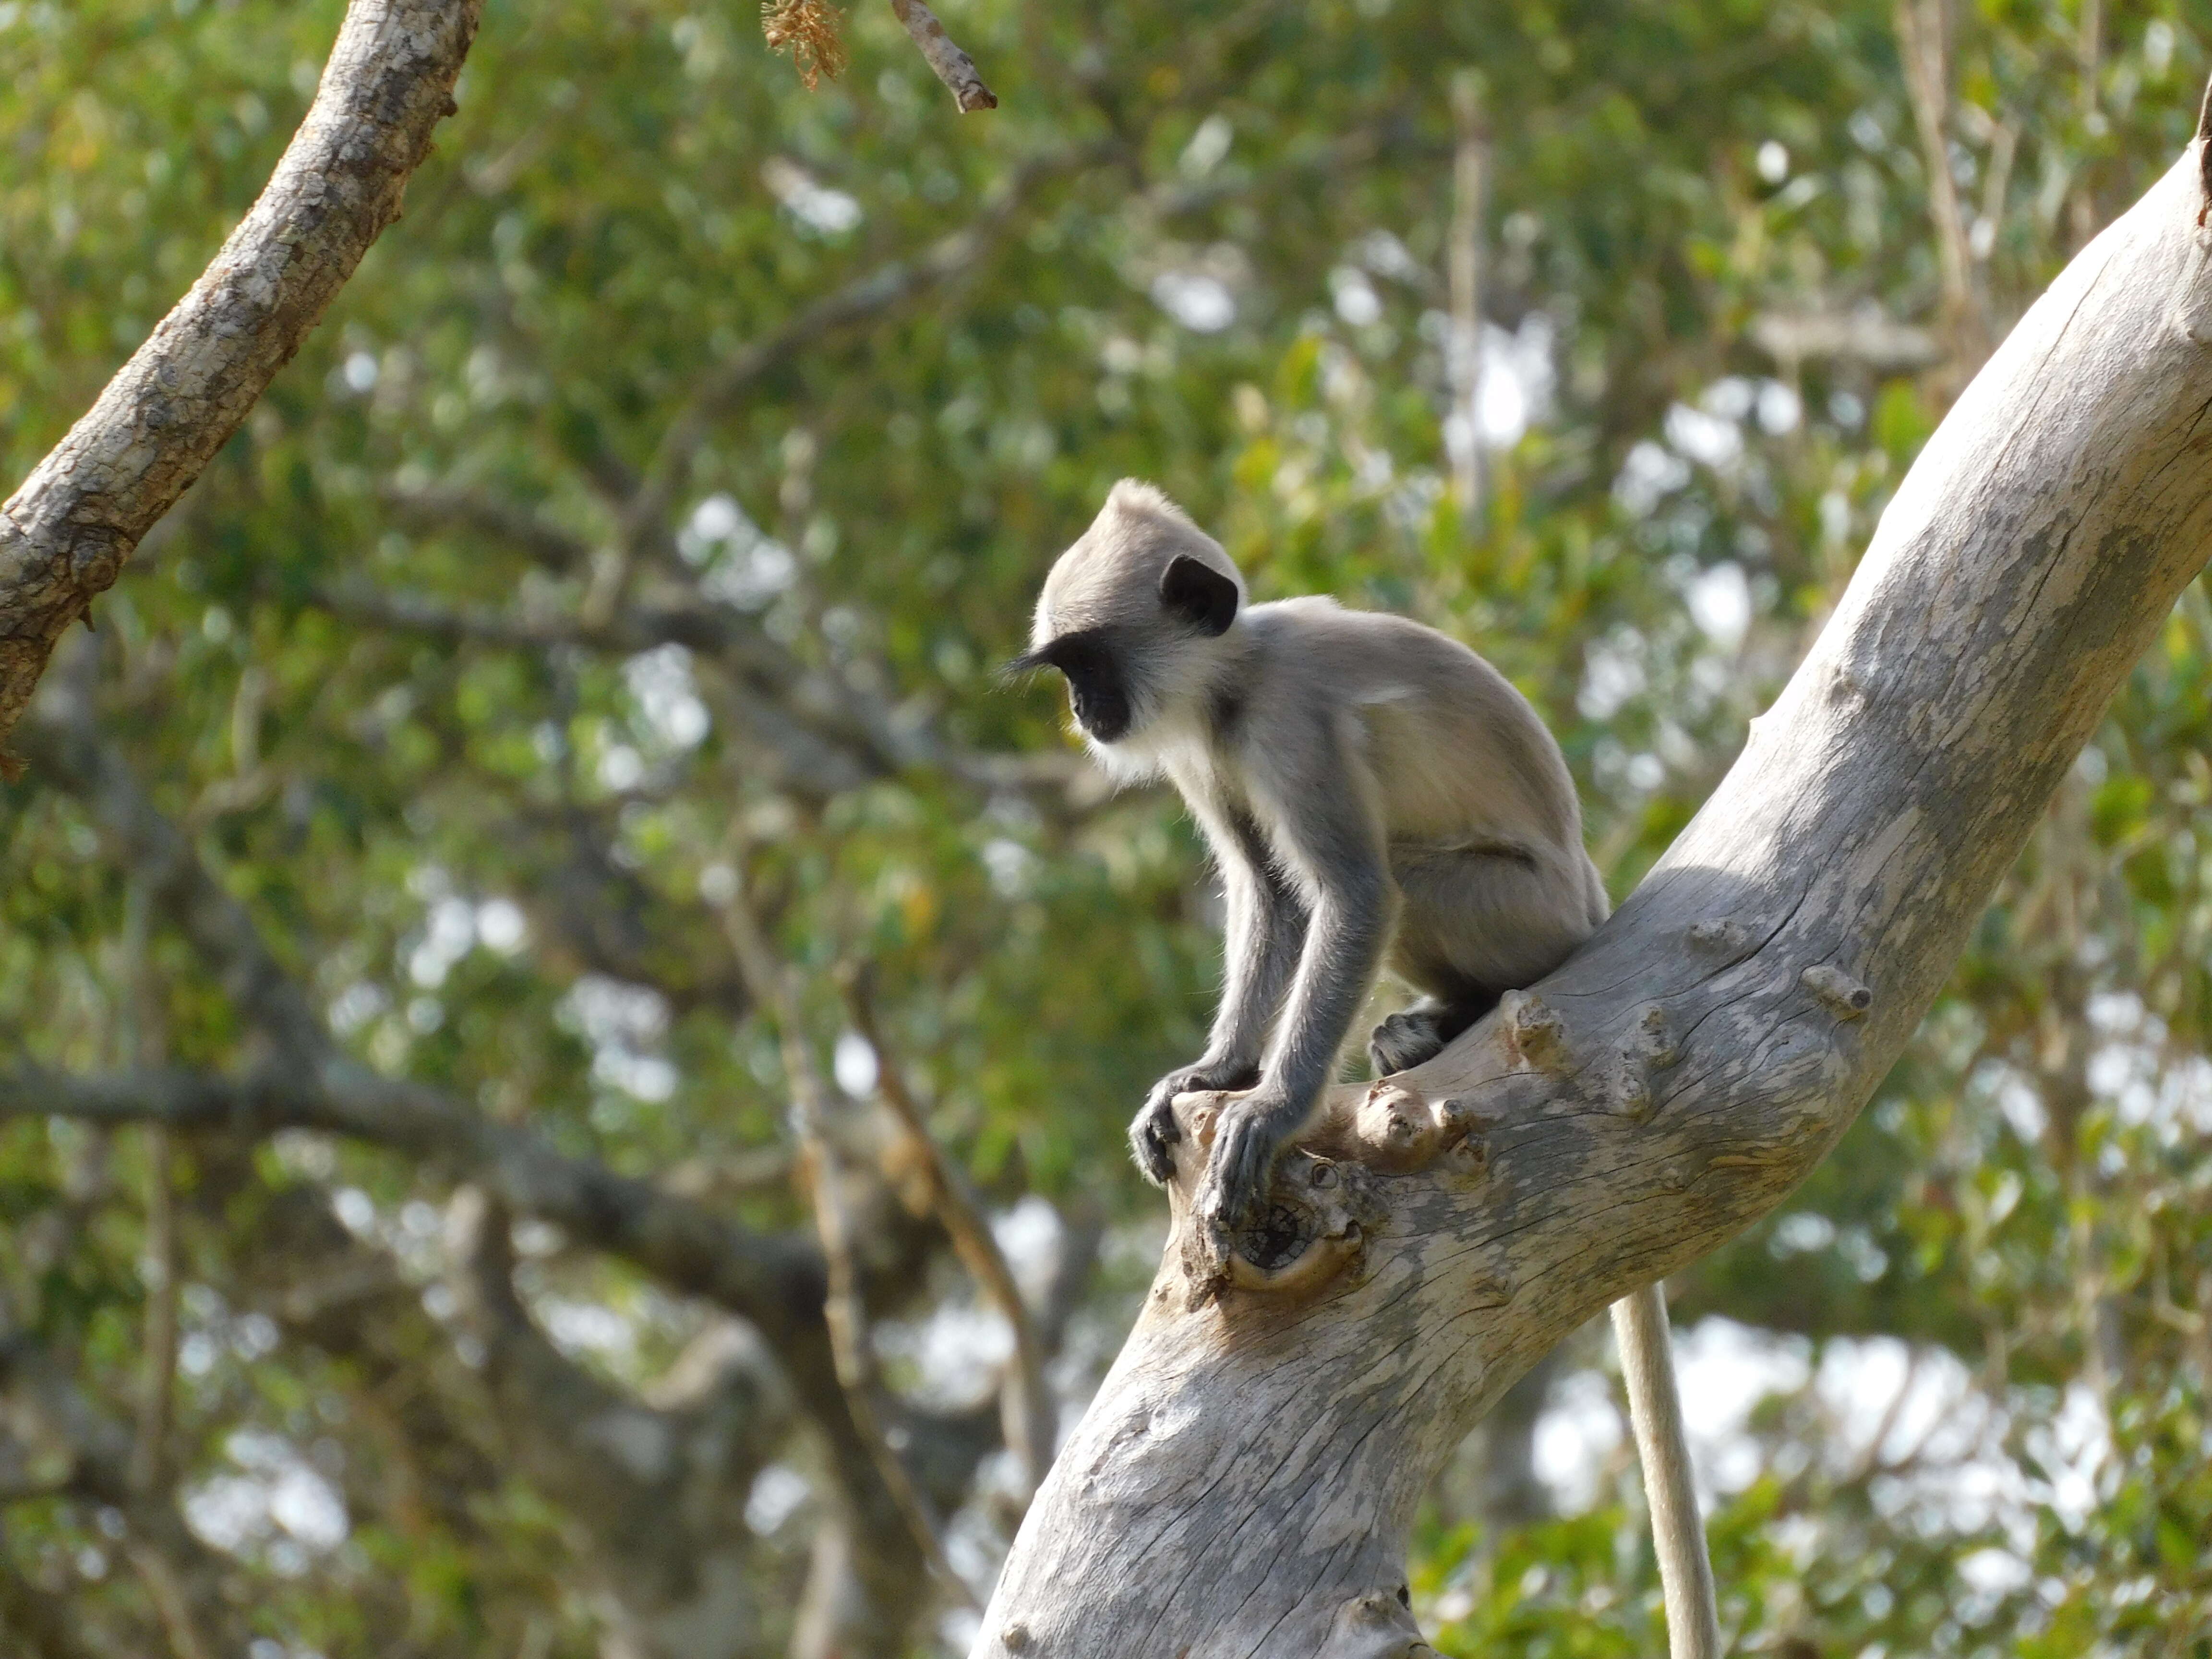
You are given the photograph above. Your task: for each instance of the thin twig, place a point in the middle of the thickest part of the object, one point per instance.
(1470, 165)
(1870, 1462)
(775, 989)
(821, 751)
(947, 61)
(1997, 178)
(2088, 52)
(1031, 1422)
(150, 1446)
(172, 1603)
(437, 505)
(1921, 36)
(145, 1043)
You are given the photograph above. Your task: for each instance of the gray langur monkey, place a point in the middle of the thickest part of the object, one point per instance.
(1371, 790)
(1373, 793)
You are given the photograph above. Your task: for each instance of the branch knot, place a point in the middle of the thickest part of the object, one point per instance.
(1535, 1036)
(1842, 996)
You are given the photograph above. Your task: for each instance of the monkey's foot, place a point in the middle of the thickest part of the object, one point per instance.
(1233, 1191)
(1409, 1039)
(1233, 1195)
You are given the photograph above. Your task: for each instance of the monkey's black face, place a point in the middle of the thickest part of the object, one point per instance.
(1096, 689)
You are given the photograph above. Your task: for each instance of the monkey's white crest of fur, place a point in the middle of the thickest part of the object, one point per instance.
(1109, 579)
(1111, 573)
(1139, 495)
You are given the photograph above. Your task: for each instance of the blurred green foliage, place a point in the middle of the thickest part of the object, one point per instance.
(392, 665)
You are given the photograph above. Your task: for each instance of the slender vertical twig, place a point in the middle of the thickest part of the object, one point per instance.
(2089, 54)
(1030, 1420)
(1922, 37)
(1997, 180)
(158, 1360)
(1470, 170)
(774, 990)
(146, 1045)
(172, 1602)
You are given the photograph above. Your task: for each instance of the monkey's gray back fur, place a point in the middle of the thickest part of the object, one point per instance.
(1459, 762)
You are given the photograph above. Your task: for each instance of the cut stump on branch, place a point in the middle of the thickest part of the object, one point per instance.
(947, 61)
(1245, 1480)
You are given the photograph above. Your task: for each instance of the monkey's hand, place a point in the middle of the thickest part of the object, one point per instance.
(1154, 1131)
(1247, 1138)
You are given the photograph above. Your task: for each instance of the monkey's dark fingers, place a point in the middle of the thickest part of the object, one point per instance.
(1404, 1040)
(1151, 1136)
(1237, 1178)
(1160, 1109)
(1154, 1161)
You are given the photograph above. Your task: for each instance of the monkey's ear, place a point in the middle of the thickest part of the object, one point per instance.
(1199, 593)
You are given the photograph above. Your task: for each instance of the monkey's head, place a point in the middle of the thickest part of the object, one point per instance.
(1132, 615)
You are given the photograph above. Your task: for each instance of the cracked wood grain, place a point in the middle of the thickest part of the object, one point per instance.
(65, 534)
(1242, 1485)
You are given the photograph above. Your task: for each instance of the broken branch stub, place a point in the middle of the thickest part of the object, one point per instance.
(954, 67)
(65, 534)
(1244, 1482)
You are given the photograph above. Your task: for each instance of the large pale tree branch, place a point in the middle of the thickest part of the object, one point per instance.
(65, 534)
(1244, 1482)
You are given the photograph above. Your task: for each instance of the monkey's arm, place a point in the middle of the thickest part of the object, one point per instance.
(1266, 927)
(1329, 828)
(1267, 933)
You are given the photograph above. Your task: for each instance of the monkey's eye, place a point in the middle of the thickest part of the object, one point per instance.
(1082, 656)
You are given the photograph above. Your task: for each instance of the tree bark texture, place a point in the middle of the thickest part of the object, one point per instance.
(65, 534)
(1244, 1482)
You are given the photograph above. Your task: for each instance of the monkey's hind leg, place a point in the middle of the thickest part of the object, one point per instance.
(1473, 925)
(1420, 1033)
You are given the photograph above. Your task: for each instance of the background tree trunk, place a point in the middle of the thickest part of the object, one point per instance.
(1244, 1482)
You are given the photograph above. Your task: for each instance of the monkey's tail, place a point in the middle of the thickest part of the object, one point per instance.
(1655, 1409)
